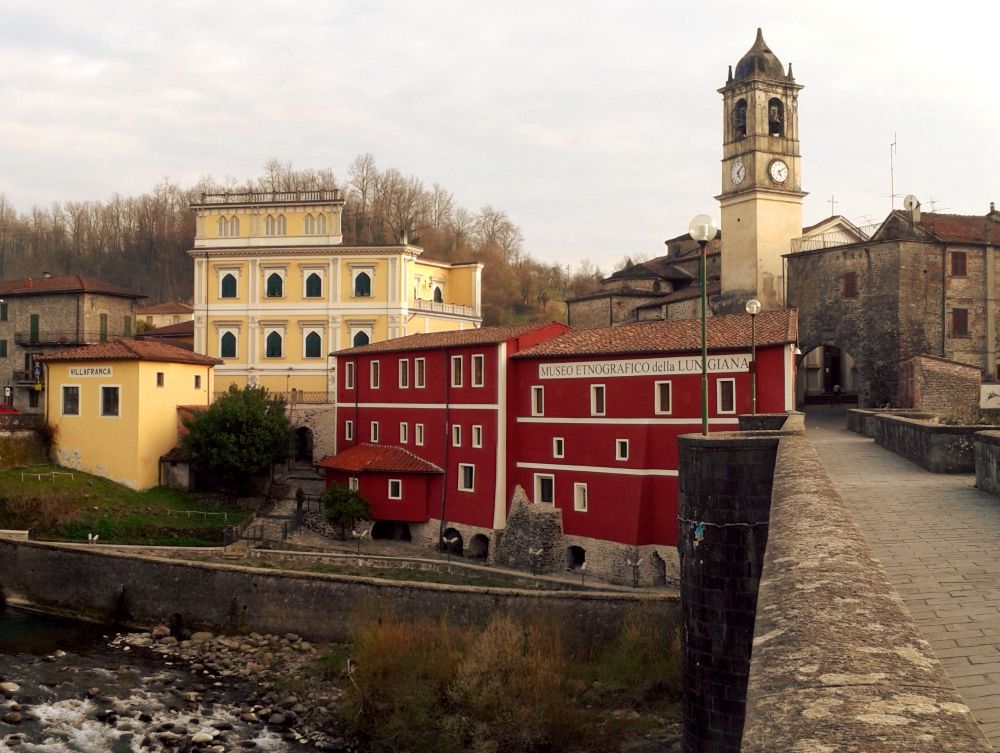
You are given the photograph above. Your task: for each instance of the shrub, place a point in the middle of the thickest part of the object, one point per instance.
(344, 507)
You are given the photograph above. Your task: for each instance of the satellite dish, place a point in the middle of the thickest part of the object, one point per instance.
(910, 202)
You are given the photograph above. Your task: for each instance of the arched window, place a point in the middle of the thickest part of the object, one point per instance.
(740, 120)
(314, 286)
(234, 226)
(360, 338)
(274, 285)
(310, 225)
(438, 295)
(314, 345)
(269, 225)
(280, 225)
(228, 286)
(321, 225)
(362, 285)
(775, 117)
(222, 227)
(273, 345)
(227, 345)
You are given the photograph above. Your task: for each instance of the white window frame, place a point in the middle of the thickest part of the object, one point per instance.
(266, 273)
(619, 444)
(352, 483)
(460, 373)
(418, 435)
(307, 272)
(353, 331)
(399, 488)
(268, 331)
(100, 393)
(558, 447)
(349, 375)
(349, 430)
(403, 372)
(373, 432)
(357, 269)
(404, 432)
(419, 372)
(718, 395)
(657, 405)
(580, 496)
(374, 373)
(461, 477)
(538, 488)
(593, 399)
(477, 435)
(222, 272)
(481, 360)
(456, 435)
(235, 332)
(79, 400)
(305, 333)
(538, 401)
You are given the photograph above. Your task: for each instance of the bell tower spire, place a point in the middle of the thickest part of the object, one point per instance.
(762, 194)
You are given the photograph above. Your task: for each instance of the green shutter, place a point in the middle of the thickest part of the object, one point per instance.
(3, 348)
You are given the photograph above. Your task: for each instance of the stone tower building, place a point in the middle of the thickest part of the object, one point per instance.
(762, 193)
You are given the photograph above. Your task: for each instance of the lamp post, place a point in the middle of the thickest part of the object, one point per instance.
(703, 229)
(753, 308)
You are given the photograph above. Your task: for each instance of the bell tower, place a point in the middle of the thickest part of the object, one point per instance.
(762, 193)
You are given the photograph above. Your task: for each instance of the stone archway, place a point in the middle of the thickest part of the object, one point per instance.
(479, 547)
(826, 374)
(576, 557)
(453, 542)
(391, 530)
(304, 444)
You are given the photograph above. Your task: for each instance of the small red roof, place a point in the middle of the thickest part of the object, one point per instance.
(676, 336)
(131, 350)
(63, 284)
(452, 339)
(377, 458)
(961, 228)
(181, 329)
(170, 307)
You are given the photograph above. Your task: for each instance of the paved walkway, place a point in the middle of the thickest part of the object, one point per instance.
(938, 538)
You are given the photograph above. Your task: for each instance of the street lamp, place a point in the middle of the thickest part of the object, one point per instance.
(702, 229)
(753, 308)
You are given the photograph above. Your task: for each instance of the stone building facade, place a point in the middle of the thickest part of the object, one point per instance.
(41, 314)
(923, 284)
(937, 385)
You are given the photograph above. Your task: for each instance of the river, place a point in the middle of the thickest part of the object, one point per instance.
(81, 690)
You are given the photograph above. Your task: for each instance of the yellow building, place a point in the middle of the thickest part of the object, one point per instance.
(114, 405)
(275, 290)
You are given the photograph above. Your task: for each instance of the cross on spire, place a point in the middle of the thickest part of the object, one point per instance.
(833, 205)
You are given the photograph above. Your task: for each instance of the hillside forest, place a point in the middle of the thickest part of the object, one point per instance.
(141, 242)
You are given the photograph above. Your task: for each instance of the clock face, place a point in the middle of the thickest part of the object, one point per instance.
(778, 171)
(739, 172)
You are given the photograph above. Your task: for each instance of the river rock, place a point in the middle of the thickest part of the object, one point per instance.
(202, 636)
(12, 717)
(160, 631)
(9, 688)
(201, 738)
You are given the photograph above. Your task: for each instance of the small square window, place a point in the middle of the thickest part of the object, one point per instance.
(597, 405)
(545, 488)
(197, 381)
(109, 401)
(537, 401)
(477, 370)
(849, 288)
(3, 348)
(352, 483)
(456, 371)
(374, 373)
(621, 449)
(662, 397)
(395, 488)
(349, 376)
(404, 432)
(959, 322)
(374, 432)
(726, 399)
(558, 447)
(456, 436)
(466, 477)
(3, 312)
(159, 378)
(349, 430)
(71, 400)
(419, 372)
(958, 259)
(404, 374)
(580, 497)
(418, 434)
(477, 436)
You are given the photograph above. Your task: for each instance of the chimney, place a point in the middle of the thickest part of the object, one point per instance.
(915, 212)
(29, 282)
(403, 238)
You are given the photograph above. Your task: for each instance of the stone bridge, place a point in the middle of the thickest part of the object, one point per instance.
(835, 597)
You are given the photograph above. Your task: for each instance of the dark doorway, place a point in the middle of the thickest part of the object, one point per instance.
(452, 542)
(831, 369)
(479, 547)
(576, 557)
(391, 530)
(304, 444)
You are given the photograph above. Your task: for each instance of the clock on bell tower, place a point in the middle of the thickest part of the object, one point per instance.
(761, 197)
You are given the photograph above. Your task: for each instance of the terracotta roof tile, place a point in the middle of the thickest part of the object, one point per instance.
(131, 350)
(63, 284)
(961, 228)
(181, 329)
(170, 307)
(451, 339)
(377, 458)
(679, 336)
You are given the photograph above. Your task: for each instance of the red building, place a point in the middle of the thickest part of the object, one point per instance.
(583, 421)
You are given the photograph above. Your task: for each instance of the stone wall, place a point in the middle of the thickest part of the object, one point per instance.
(865, 420)
(838, 664)
(321, 419)
(147, 591)
(939, 448)
(533, 537)
(937, 385)
(988, 461)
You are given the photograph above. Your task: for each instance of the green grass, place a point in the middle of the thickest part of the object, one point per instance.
(70, 508)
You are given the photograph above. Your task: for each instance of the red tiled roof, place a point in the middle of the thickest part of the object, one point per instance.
(451, 339)
(378, 458)
(170, 307)
(679, 336)
(131, 350)
(181, 329)
(63, 284)
(961, 228)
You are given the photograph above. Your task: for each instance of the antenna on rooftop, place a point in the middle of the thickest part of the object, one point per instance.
(892, 173)
(910, 202)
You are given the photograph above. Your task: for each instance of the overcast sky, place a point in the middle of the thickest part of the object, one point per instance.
(595, 125)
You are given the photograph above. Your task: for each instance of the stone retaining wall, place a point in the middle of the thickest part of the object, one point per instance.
(939, 448)
(864, 420)
(229, 598)
(988, 462)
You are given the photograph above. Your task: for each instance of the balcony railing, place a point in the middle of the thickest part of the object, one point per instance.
(832, 239)
(444, 308)
(298, 397)
(28, 377)
(272, 197)
(67, 337)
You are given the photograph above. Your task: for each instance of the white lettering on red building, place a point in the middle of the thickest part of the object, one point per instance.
(735, 362)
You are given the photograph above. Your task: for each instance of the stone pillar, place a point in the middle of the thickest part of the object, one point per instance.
(725, 497)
